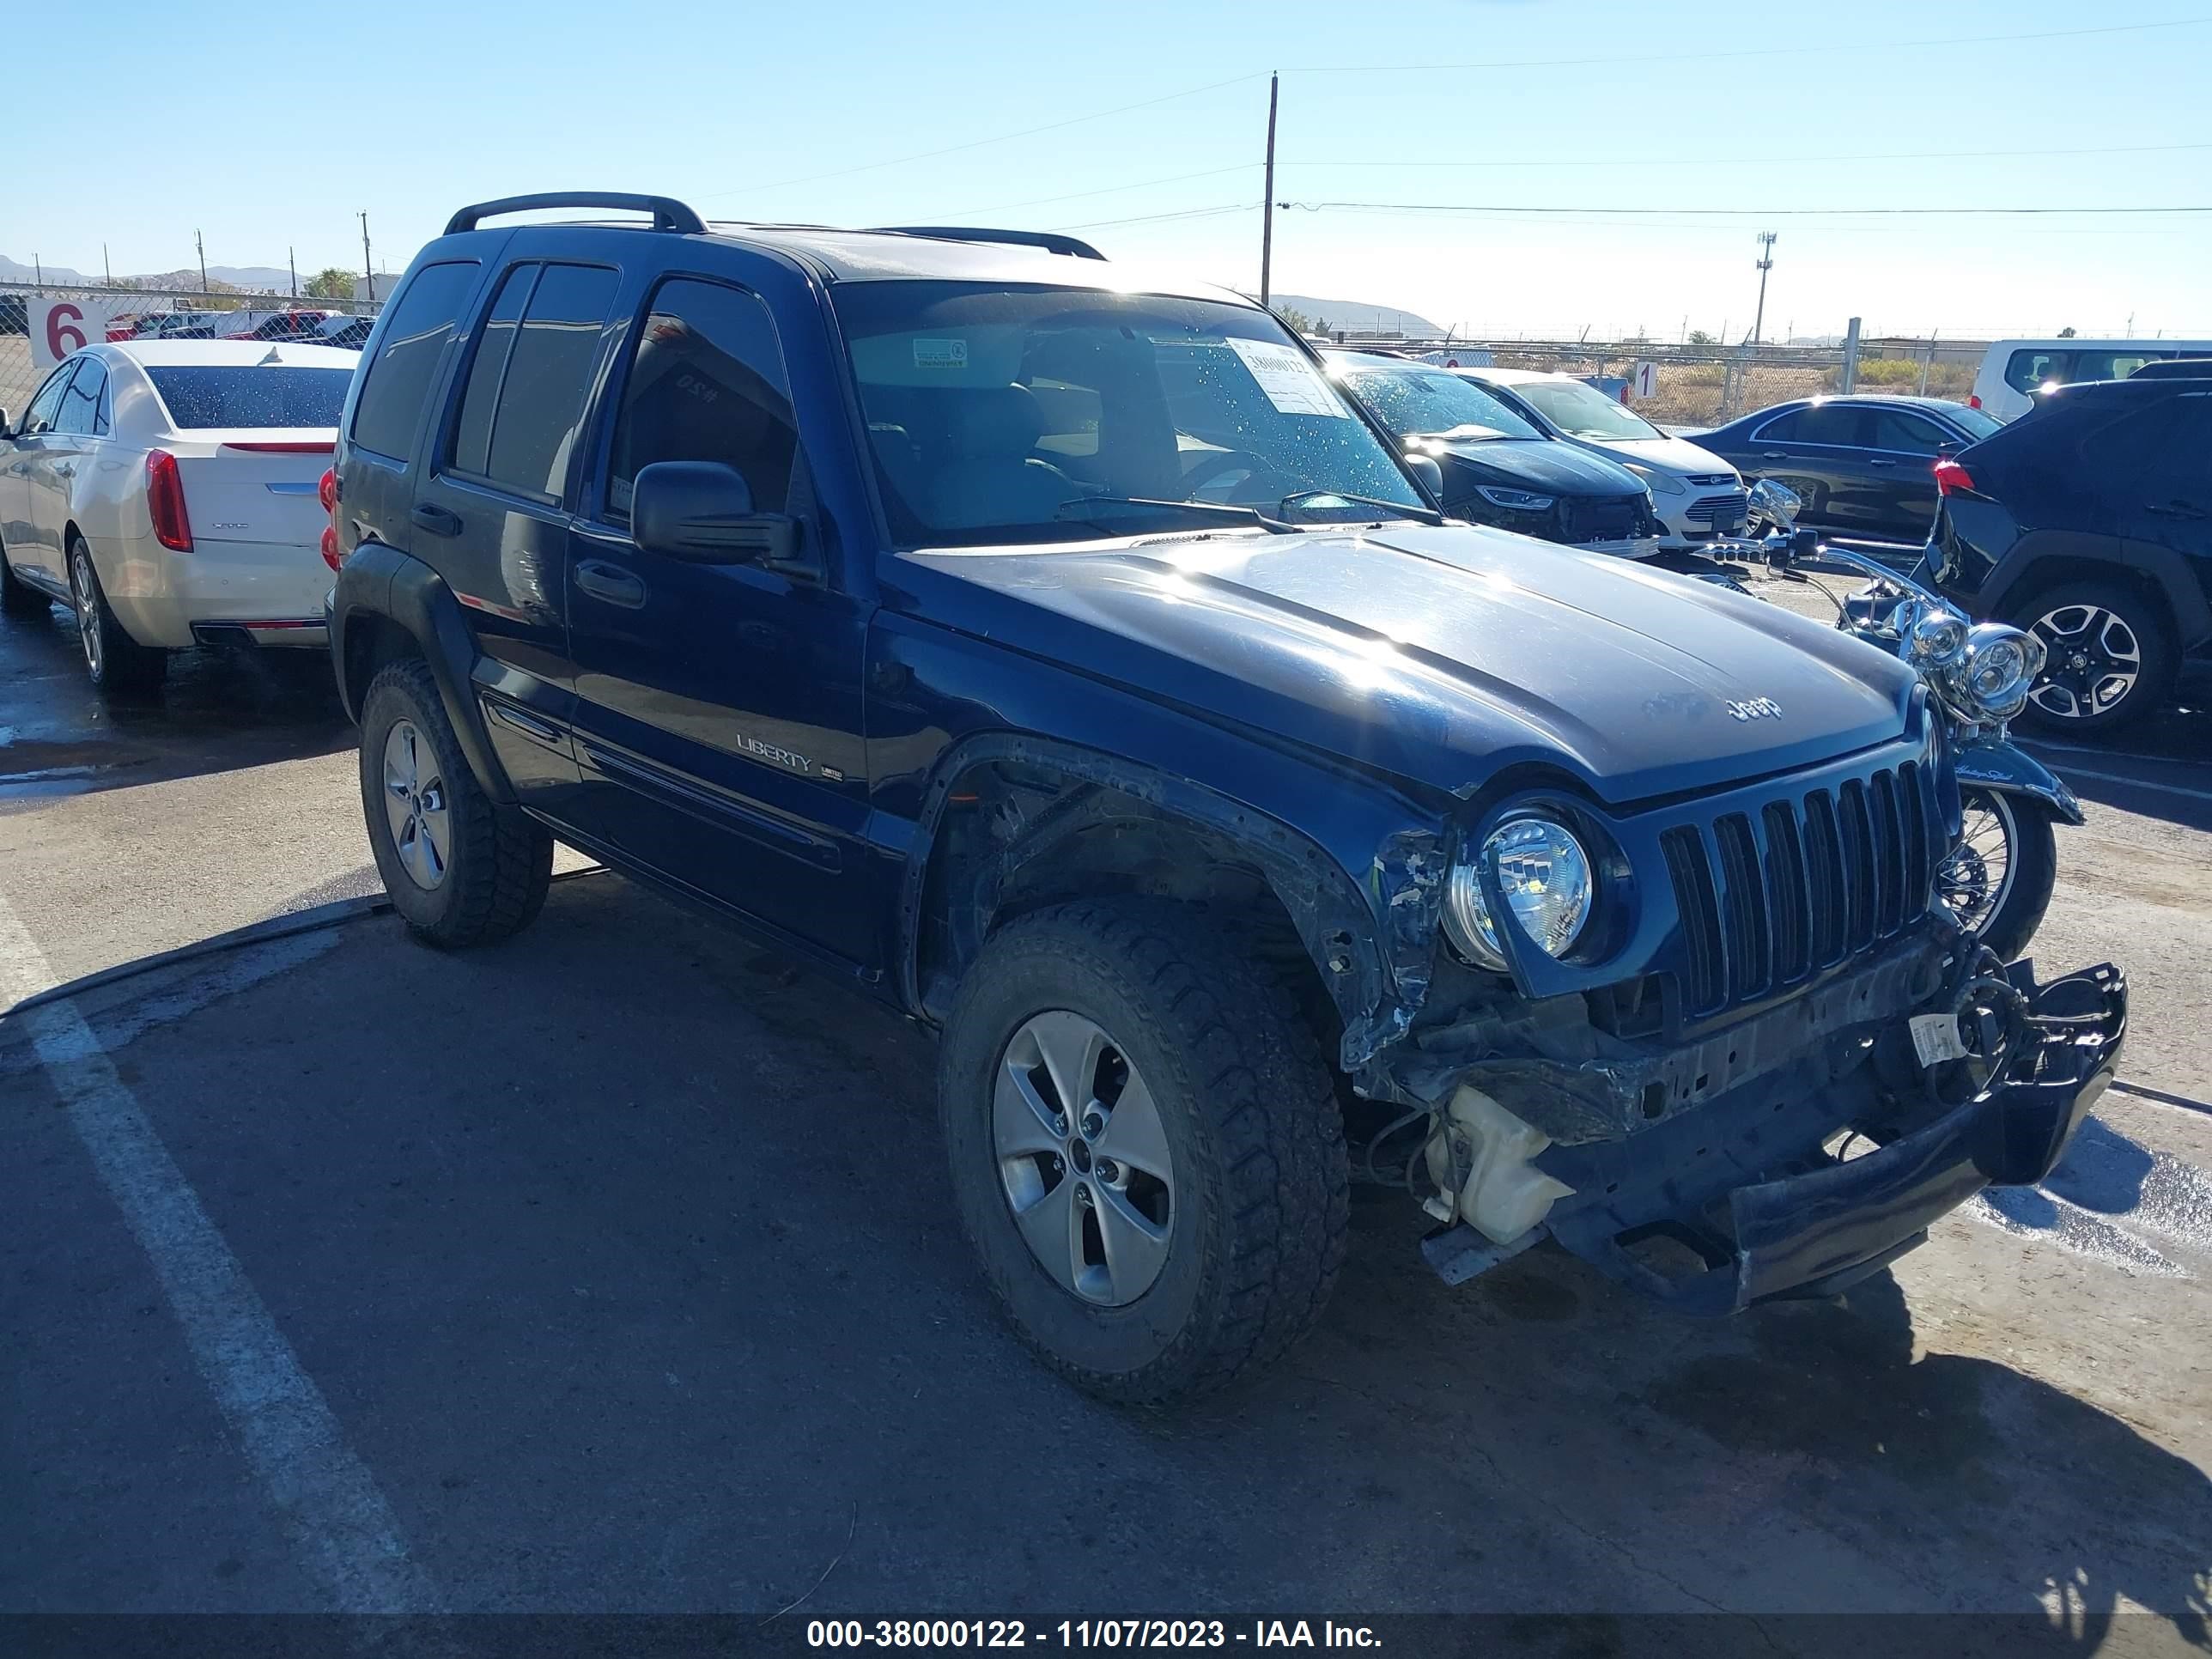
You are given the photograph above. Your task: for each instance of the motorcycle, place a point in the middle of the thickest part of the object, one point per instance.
(1998, 879)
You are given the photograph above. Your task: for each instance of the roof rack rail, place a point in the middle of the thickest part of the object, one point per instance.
(1051, 241)
(668, 213)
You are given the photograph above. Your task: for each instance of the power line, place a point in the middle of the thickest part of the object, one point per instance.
(1616, 161)
(1735, 213)
(997, 138)
(1155, 218)
(1747, 52)
(1112, 190)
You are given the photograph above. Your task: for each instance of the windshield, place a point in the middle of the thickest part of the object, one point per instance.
(999, 416)
(1414, 402)
(250, 394)
(1580, 411)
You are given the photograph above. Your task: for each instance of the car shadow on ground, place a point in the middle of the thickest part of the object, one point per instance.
(661, 1246)
(218, 709)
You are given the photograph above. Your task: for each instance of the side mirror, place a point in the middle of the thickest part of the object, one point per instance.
(702, 511)
(1431, 476)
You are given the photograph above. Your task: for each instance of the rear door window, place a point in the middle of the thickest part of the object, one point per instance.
(80, 406)
(1908, 434)
(531, 375)
(40, 417)
(2112, 365)
(1822, 423)
(396, 383)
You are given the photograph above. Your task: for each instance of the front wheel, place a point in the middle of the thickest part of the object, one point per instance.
(1998, 879)
(1146, 1148)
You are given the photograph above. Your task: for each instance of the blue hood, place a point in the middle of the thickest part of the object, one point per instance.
(1440, 655)
(1552, 465)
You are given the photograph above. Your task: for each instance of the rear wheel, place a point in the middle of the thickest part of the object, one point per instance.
(2111, 659)
(460, 868)
(119, 665)
(1145, 1147)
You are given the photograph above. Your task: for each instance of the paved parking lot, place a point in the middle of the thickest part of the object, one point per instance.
(613, 1269)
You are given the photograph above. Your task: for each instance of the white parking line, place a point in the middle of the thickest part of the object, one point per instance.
(2134, 783)
(330, 1503)
(2033, 744)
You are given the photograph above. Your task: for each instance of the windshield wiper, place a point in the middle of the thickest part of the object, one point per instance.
(1395, 509)
(1205, 509)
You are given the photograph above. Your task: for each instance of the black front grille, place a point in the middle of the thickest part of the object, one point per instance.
(1588, 521)
(1719, 512)
(1771, 897)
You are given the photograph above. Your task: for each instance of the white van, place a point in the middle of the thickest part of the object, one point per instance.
(2015, 369)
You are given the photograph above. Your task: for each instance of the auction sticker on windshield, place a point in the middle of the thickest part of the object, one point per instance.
(1292, 383)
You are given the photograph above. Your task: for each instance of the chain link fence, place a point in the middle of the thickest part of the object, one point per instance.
(41, 324)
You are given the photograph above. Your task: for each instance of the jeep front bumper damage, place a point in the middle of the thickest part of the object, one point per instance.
(1713, 1211)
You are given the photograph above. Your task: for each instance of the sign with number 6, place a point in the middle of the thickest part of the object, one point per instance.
(61, 327)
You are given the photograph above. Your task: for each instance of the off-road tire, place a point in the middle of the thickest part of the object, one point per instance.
(1259, 1230)
(2148, 620)
(17, 597)
(501, 859)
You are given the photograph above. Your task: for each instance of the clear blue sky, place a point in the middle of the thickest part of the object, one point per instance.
(410, 107)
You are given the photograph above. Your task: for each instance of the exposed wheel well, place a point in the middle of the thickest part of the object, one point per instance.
(371, 642)
(1017, 837)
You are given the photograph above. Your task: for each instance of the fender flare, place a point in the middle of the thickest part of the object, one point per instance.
(378, 579)
(2019, 575)
(1340, 932)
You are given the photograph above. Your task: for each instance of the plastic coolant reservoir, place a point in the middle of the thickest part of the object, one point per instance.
(1501, 1194)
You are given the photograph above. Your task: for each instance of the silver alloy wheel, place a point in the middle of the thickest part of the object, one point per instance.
(414, 805)
(87, 594)
(1083, 1159)
(2094, 661)
(1977, 877)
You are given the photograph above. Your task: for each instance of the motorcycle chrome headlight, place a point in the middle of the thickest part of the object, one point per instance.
(1935, 639)
(1992, 678)
(1544, 875)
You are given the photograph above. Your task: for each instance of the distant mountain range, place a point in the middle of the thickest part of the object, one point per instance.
(269, 277)
(1353, 314)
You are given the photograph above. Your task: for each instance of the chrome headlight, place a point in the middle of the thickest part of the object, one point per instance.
(1660, 483)
(1935, 639)
(1992, 677)
(1545, 878)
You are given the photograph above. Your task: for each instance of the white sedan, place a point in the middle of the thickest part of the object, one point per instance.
(169, 492)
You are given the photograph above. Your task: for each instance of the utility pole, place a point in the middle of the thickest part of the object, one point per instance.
(292, 261)
(199, 243)
(368, 271)
(1267, 207)
(38, 274)
(105, 273)
(1765, 265)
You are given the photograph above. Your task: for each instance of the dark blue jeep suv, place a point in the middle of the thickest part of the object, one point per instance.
(1054, 653)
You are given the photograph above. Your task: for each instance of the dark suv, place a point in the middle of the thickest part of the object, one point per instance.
(1058, 658)
(2089, 520)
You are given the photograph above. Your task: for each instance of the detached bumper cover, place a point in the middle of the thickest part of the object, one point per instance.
(1814, 1233)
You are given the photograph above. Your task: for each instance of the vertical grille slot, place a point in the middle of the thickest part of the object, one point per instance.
(1706, 978)
(1913, 815)
(1787, 895)
(1889, 845)
(1824, 878)
(1743, 907)
(1859, 894)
